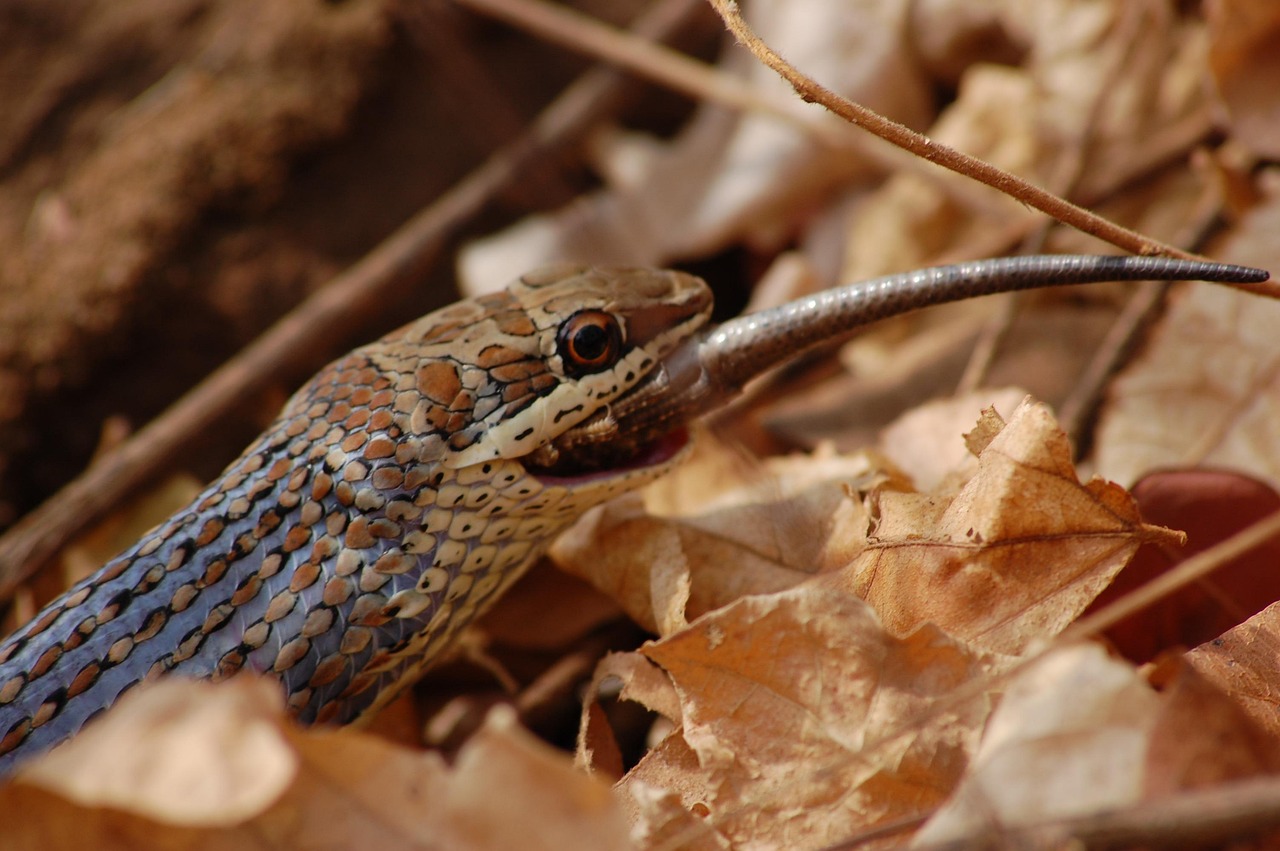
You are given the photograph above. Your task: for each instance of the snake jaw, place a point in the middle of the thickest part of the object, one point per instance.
(651, 458)
(618, 437)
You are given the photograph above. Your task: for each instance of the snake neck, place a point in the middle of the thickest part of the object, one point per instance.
(333, 554)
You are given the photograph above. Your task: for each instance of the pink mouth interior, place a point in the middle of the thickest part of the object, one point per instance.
(650, 455)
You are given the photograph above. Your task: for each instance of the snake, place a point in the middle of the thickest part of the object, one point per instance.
(405, 487)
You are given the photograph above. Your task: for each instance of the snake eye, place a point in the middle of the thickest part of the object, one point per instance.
(589, 341)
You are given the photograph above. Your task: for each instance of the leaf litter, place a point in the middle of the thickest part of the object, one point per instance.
(845, 639)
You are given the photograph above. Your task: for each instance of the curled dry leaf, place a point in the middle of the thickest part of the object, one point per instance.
(706, 535)
(800, 717)
(182, 764)
(935, 441)
(796, 711)
(1080, 733)
(1010, 559)
(641, 681)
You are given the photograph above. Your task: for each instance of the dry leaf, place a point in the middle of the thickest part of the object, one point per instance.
(722, 537)
(1201, 737)
(642, 682)
(1077, 722)
(1014, 557)
(729, 177)
(179, 753)
(183, 764)
(1243, 59)
(1080, 733)
(661, 822)
(1101, 86)
(797, 713)
(929, 443)
(1215, 360)
(1242, 663)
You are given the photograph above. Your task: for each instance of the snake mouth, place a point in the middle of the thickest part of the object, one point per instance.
(599, 460)
(642, 429)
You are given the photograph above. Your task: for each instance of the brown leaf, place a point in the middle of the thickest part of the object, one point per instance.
(183, 764)
(1079, 733)
(1210, 506)
(1068, 738)
(930, 444)
(642, 682)
(662, 822)
(794, 707)
(722, 537)
(178, 753)
(1013, 557)
(1215, 360)
(1243, 664)
(1243, 60)
(1201, 738)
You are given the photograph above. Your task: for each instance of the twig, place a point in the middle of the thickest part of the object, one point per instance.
(578, 32)
(1201, 819)
(949, 158)
(332, 313)
(943, 155)
(705, 83)
(1189, 571)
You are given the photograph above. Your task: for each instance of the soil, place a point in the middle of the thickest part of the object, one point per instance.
(176, 174)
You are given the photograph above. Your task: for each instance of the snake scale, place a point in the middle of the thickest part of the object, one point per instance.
(409, 483)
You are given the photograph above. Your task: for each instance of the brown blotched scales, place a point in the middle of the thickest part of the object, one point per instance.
(412, 481)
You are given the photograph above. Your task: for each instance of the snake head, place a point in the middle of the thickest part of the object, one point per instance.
(504, 376)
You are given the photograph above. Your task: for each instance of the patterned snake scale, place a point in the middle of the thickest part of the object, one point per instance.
(408, 484)
(379, 514)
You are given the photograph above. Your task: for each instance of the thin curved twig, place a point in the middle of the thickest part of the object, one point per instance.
(949, 158)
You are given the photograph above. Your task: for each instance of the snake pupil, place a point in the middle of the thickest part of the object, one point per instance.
(590, 341)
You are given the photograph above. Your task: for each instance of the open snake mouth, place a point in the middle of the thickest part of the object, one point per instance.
(595, 461)
(643, 428)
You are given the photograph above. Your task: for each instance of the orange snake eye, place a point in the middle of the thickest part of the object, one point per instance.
(589, 341)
